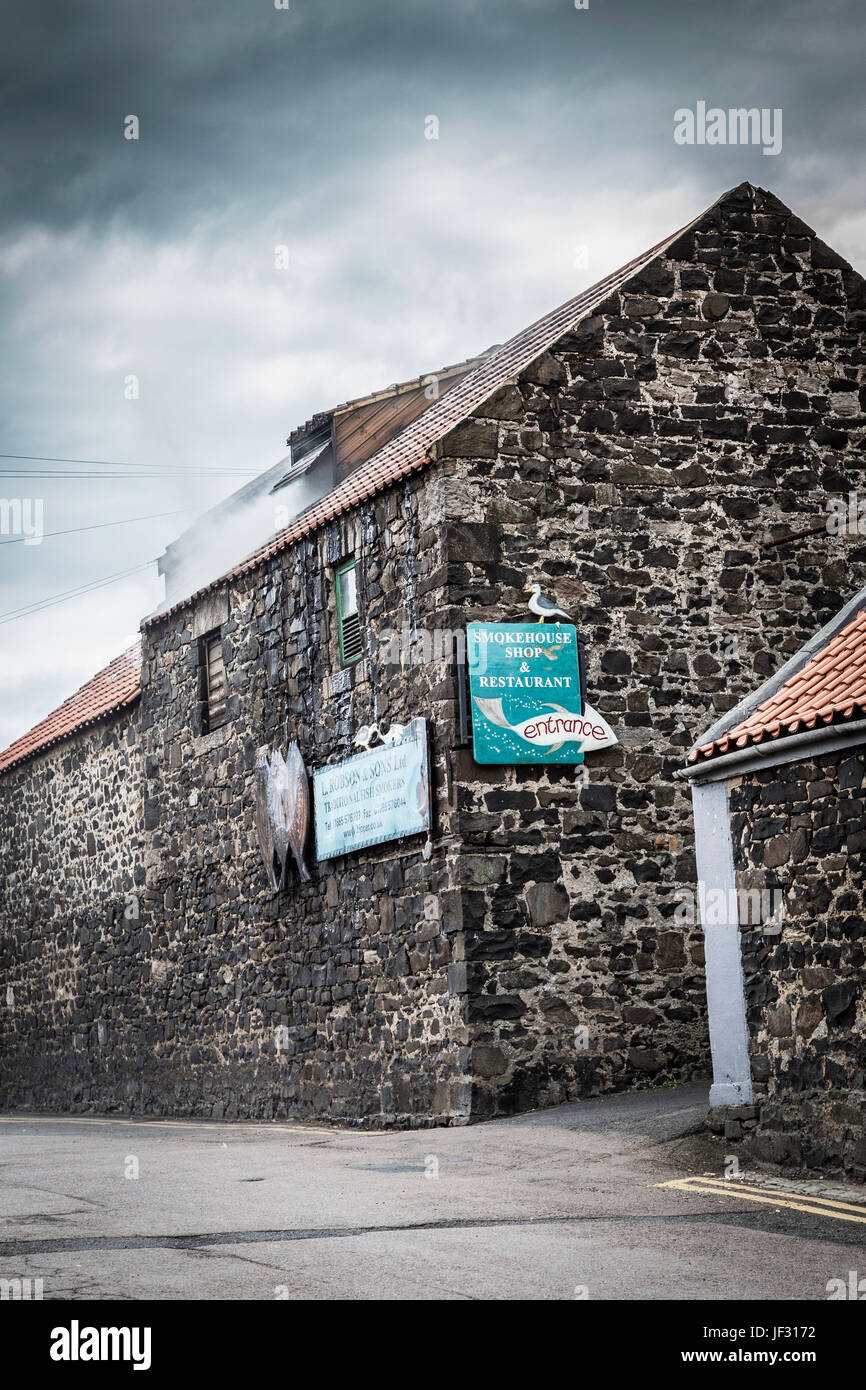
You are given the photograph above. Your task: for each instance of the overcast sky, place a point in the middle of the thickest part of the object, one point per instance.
(262, 127)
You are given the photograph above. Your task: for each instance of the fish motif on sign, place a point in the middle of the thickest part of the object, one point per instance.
(282, 813)
(264, 827)
(278, 793)
(296, 807)
(554, 729)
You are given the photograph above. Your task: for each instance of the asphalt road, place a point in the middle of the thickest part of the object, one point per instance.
(560, 1204)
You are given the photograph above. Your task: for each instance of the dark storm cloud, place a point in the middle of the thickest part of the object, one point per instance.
(306, 128)
(228, 95)
(237, 98)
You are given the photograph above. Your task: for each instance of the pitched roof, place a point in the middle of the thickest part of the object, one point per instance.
(829, 689)
(397, 388)
(413, 446)
(111, 689)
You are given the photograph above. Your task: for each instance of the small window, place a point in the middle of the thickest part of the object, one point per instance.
(216, 692)
(348, 617)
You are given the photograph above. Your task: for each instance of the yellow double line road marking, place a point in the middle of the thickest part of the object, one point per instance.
(816, 1206)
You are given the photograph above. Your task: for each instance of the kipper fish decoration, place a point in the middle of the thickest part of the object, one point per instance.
(296, 806)
(282, 814)
(264, 827)
(278, 793)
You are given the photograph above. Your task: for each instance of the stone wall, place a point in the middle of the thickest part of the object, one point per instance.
(799, 834)
(332, 998)
(71, 880)
(203, 992)
(537, 954)
(638, 471)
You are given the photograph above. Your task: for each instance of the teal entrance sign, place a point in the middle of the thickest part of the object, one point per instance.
(527, 705)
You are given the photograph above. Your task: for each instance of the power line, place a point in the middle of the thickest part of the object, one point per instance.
(90, 463)
(114, 463)
(100, 525)
(154, 474)
(29, 609)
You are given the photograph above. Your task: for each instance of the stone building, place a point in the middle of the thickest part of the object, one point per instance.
(779, 789)
(636, 452)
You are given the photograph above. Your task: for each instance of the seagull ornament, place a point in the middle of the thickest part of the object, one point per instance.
(393, 735)
(365, 736)
(544, 607)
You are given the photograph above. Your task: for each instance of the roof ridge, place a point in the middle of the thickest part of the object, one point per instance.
(409, 449)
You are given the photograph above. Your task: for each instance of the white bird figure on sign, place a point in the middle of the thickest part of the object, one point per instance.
(365, 736)
(542, 606)
(393, 735)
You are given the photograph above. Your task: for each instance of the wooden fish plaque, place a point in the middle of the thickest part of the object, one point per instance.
(282, 814)
(296, 806)
(264, 826)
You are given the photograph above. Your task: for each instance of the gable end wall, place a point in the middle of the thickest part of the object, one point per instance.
(635, 470)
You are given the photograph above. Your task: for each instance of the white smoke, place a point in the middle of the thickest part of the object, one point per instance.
(221, 540)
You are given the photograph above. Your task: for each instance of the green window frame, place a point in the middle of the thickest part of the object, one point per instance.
(348, 614)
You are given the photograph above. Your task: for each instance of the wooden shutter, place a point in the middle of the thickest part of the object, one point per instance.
(352, 642)
(215, 680)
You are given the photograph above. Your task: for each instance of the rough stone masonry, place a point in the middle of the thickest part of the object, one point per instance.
(798, 834)
(638, 468)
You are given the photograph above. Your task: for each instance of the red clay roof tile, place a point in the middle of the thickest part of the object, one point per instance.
(118, 685)
(411, 448)
(830, 688)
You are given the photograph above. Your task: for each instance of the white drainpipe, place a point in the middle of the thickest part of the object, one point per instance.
(714, 852)
(726, 998)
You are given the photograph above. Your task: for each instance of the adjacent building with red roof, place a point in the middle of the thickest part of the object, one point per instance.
(828, 691)
(113, 689)
(779, 790)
